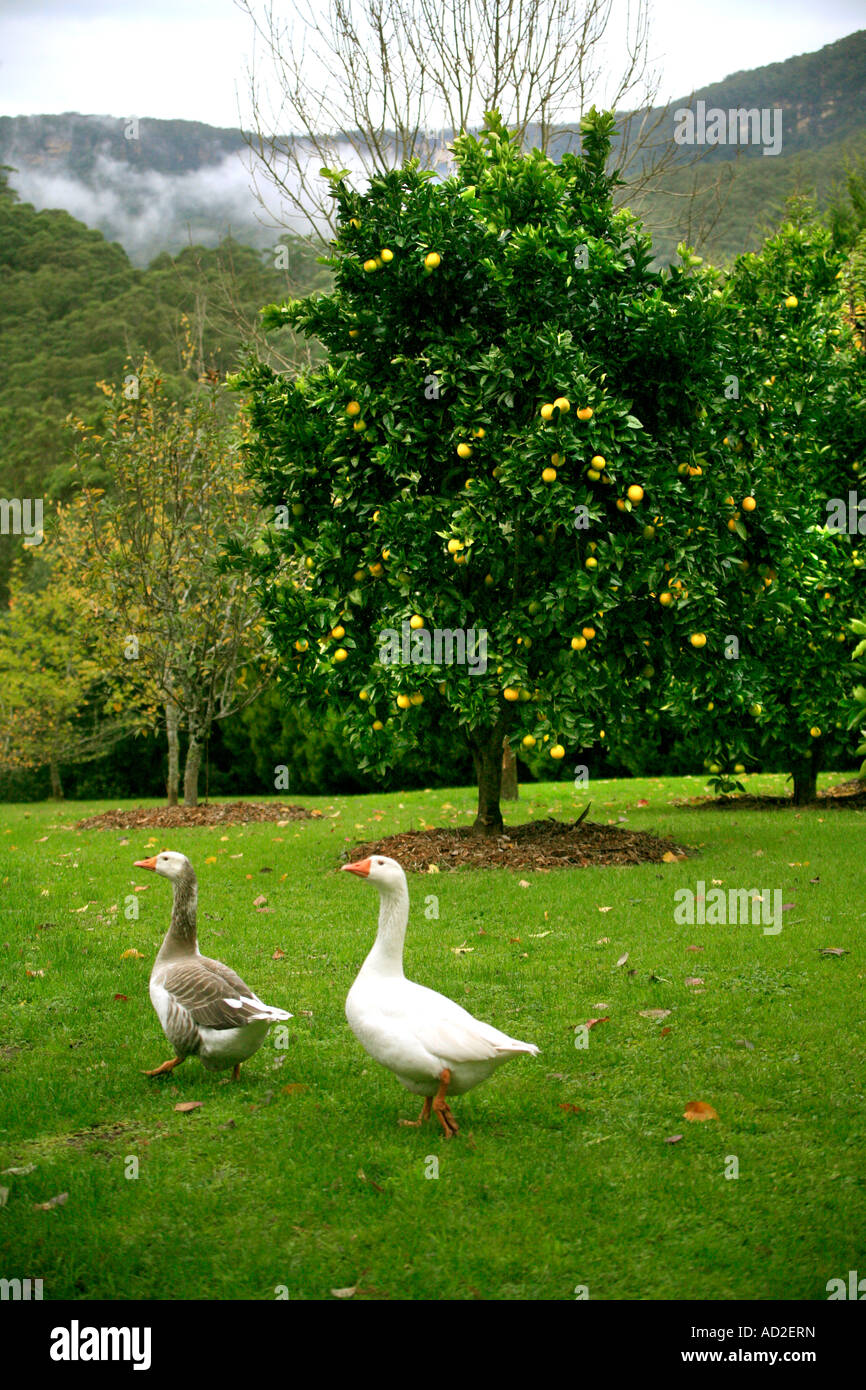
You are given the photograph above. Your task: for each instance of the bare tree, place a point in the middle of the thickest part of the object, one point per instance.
(368, 84)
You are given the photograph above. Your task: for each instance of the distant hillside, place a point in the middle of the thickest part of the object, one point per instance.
(181, 182)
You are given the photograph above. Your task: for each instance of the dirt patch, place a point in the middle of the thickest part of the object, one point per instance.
(542, 845)
(171, 817)
(846, 796)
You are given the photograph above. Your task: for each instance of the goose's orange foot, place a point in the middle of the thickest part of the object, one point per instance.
(166, 1066)
(441, 1106)
(425, 1114)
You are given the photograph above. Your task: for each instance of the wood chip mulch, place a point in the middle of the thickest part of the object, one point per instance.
(541, 845)
(170, 817)
(844, 796)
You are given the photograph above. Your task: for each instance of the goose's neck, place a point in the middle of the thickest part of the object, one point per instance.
(181, 936)
(386, 957)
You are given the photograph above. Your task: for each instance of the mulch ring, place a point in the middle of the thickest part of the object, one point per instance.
(846, 796)
(215, 813)
(541, 845)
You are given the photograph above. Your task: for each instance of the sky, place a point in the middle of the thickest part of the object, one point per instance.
(189, 59)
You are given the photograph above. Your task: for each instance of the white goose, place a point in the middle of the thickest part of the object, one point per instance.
(205, 1009)
(431, 1044)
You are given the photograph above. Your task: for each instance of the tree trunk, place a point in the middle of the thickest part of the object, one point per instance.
(56, 784)
(192, 767)
(487, 757)
(510, 789)
(171, 723)
(805, 775)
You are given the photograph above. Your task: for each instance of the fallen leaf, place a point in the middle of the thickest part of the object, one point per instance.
(60, 1200)
(694, 948)
(515, 940)
(260, 901)
(569, 1108)
(605, 909)
(665, 1032)
(591, 1022)
(463, 950)
(623, 958)
(18, 1172)
(538, 935)
(603, 941)
(122, 998)
(694, 980)
(279, 954)
(643, 802)
(668, 858)
(185, 1106)
(655, 1013)
(523, 883)
(131, 954)
(345, 1293)
(293, 1087)
(432, 868)
(673, 1139)
(211, 859)
(832, 951)
(699, 1110)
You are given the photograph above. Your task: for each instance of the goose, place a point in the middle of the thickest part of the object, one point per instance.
(434, 1047)
(205, 1009)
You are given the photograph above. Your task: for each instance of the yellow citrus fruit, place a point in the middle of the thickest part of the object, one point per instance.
(387, 254)
(340, 654)
(511, 693)
(648, 532)
(815, 731)
(376, 569)
(416, 699)
(593, 475)
(556, 460)
(464, 451)
(338, 631)
(363, 695)
(353, 408)
(557, 751)
(739, 767)
(432, 260)
(370, 266)
(479, 433)
(354, 222)
(791, 302)
(353, 332)
(620, 504)
(666, 599)
(454, 545)
(683, 469)
(376, 514)
(578, 643)
(748, 504)
(732, 524)
(377, 725)
(548, 475)
(585, 413)
(488, 580)
(403, 701)
(416, 621)
(562, 405)
(635, 493)
(588, 632)
(591, 563)
(301, 645)
(359, 425)
(528, 741)
(546, 411)
(386, 554)
(698, 639)
(597, 461)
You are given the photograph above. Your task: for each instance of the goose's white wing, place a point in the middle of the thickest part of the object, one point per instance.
(449, 1031)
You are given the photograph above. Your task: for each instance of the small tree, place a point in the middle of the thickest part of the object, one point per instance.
(498, 451)
(153, 555)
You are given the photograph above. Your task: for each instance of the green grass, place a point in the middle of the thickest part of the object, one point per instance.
(320, 1188)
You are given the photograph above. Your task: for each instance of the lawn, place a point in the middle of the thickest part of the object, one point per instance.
(298, 1180)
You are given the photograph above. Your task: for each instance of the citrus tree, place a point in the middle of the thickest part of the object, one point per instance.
(499, 448)
(790, 434)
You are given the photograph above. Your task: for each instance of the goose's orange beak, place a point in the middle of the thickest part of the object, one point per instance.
(361, 867)
(145, 863)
